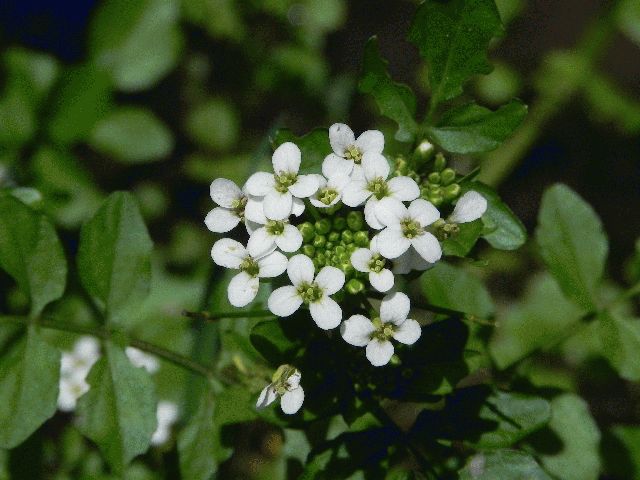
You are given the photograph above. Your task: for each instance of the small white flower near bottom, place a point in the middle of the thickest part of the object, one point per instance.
(74, 367)
(369, 260)
(286, 385)
(314, 292)
(142, 360)
(167, 415)
(375, 334)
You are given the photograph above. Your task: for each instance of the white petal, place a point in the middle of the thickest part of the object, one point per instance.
(221, 220)
(298, 207)
(284, 301)
(228, 253)
(427, 247)
(355, 193)
(424, 212)
(379, 352)
(382, 281)
(408, 332)
(341, 137)
(370, 213)
(410, 260)
(300, 269)
(272, 265)
(242, 289)
(360, 259)
(286, 158)
(318, 204)
(339, 181)
(224, 192)
(294, 380)
(330, 279)
(394, 308)
(374, 165)
(326, 313)
(88, 349)
(260, 243)
(277, 206)
(470, 207)
(357, 330)
(267, 397)
(391, 211)
(254, 210)
(333, 164)
(260, 183)
(404, 189)
(142, 360)
(392, 243)
(305, 186)
(371, 141)
(290, 240)
(292, 401)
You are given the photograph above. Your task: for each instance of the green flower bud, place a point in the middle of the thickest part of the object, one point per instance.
(351, 248)
(361, 238)
(323, 226)
(339, 223)
(309, 250)
(330, 246)
(319, 241)
(318, 264)
(424, 151)
(434, 177)
(431, 188)
(334, 237)
(307, 231)
(347, 236)
(451, 192)
(439, 163)
(339, 250)
(335, 260)
(395, 360)
(447, 176)
(347, 268)
(436, 199)
(354, 286)
(355, 221)
(345, 258)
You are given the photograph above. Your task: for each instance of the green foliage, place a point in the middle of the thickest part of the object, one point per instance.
(270, 339)
(503, 464)
(460, 244)
(196, 443)
(620, 338)
(114, 258)
(314, 147)
(119, 411)
(572, 244)
(213, 124)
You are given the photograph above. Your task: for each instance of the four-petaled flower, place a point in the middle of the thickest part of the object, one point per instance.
(285, 185)
(330, 190)
(232, 203)
(74, 367)
(369, 260)
(347, 151)
(254, 262)
(286, 385)
(311, 291)
(272, 233)
(375, 334)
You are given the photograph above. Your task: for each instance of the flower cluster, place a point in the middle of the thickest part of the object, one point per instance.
(358, 223)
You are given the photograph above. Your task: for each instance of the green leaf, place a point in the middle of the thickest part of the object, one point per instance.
(503, 465)
(132, 135)
(628, 19)
(451, 287)
(29, 74)
(114, 258)
(621, 451)
(29, 375)
(395, 100)
(504, 230)
(571, 451)
(453, 37)
(472, 128)
(214, 124)
(314, 147)
(611, 104)
(118, 413)
(620, 339)
(196, 443)
(270, 339)
(31, 253)
(460, 245)
(572, 243)
(138, 43)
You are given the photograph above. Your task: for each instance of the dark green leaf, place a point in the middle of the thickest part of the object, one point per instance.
(451, 287)
(314, 147)
(620, 338)
(29, 375)
(473, 129)
(29, 74)
(118, 413)
(270, 339)
(503, 465)
(196, 443)
(621, 452)
(114, 258)
(395, 100)
(453, 38)
(460, 245)
(572, 243)
(31, 253)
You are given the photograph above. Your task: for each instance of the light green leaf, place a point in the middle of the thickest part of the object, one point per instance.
(472, 128)
(503, 230)
(132, 135)
(213, 124)
(572, 243)
(196, 443)
(114, 258)
(451, 287)
(314, 147)
(29, 375)
(138, 43)
(609, 103)
(453, 37)
(118, 413)
(628, 18)
(30, 74)
(460, 244)
(395, 100)
(503, 465)
(620, 339)
(31, 253)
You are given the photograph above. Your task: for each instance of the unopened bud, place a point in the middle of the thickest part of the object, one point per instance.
(307, 231)
(347, 236)
(434, 178)
(354, 286)
(334, 237)
(319, 241)
(451, 192)
(424, 151)
(339, 223)
(355, 221)
(361, 238)
(439, 163)
(309, 250)
(323, 226)
(447, 176)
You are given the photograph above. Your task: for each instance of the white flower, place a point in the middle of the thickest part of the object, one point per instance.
(371, 185)
(329, 190)
(74, 367)
(167, 414)
(280, 188)
(408, 261)
(309, 290)
(286, 385)
(347, 151)
(359, 331)
(274, 233)
(470, 207)
(369, 260)
(406, 228)
(254, 262)
(142, 360)
(232, 202)
(71, 389)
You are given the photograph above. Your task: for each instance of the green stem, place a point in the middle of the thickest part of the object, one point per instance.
(313, 210)
(214, 316)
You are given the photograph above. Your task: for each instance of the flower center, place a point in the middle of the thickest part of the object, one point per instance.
(250, 266)
(383, 331)
(378, 187)
(377, 263)
(275, 228)
(353, 153)
(411, 228)
(310, 292)
(327, 195)
(238, 205)
(284, 180)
